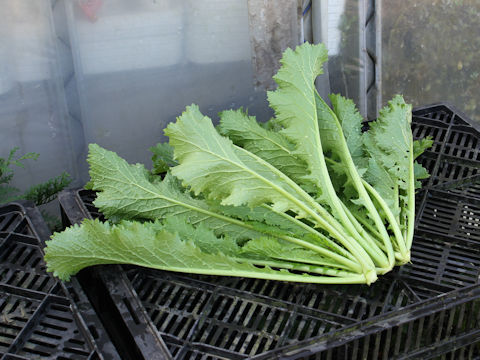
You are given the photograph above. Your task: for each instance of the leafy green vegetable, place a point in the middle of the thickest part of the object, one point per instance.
(389, 143)
(272, 147)
(314, 128)
(162, 158)
(306, 197)
(126, 192)
(151, 245)
(210, 164)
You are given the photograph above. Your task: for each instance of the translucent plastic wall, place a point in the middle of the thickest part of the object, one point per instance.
(33, 111)
(342, 38)
(431, 50)
(349, 28)
(139, 63)
(115, 72)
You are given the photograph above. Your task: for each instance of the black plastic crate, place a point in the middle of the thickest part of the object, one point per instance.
(207, 317)
(455, 153)
(40, 317)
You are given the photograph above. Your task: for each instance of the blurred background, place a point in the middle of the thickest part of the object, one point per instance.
(115, 72)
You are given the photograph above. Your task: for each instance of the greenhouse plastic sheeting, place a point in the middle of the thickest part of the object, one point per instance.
(115, 72)
(138, 64)
(33, 112)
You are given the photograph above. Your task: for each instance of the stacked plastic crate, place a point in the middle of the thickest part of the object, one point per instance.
(40, 317)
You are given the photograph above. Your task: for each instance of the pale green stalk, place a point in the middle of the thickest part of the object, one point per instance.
(411, 200)
(350, 243)
(314, 232)
(297, 267)
(352, 172)
(391, 219)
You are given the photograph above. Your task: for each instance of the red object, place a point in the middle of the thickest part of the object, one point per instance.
(90, 8)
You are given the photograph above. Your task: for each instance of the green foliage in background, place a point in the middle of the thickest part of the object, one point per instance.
(40, 194)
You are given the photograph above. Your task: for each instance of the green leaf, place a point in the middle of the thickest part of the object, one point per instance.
(258, 214)
(390, 139)
(162, 158)
(271, 146)
(213, 166)
(294, 103)
(313, 127)
(150, 245)
(202, 236)
(282, 224)
(88, 185)
(267, 247)
(271, 125)
(419, 146)
(126, 192)
(384, 184)
(351, 122)
(420, 173)
(389, 143)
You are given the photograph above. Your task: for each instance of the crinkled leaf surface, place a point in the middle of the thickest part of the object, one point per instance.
(294, 103)
(420, 174)
(149, 245)
(389, 140)
(202, 236)
(271, 146)
(389, 143)
(419, 146)
(212, 165)
(351, 122)
(162, 158)
(126, 192)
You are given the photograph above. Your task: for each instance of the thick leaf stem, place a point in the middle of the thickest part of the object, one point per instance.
(368, 226)
(303, 243)
(330, 243)
(344, 154)
(352, 265)
(335, 229)
(391, 218)
(379, 256)
(281, 264)
(411, 199)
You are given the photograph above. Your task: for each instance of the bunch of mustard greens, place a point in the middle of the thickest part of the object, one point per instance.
(306, 196)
